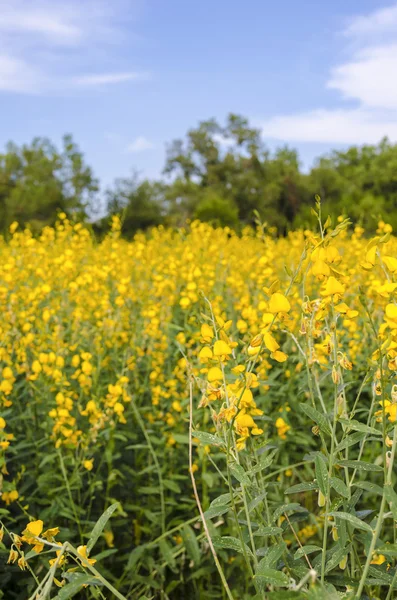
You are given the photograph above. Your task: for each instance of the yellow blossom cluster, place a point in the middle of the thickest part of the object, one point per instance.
(90, 330)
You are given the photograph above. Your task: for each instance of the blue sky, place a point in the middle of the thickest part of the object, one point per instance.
(127, 76)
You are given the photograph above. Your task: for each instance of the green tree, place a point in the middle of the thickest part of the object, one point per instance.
(139, 203)
(36, 181)
(232, 162)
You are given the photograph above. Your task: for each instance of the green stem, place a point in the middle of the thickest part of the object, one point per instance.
(65, 477)
(155, 460)
(379, 522)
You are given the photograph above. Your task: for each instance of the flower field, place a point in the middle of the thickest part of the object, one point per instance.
(197, 414)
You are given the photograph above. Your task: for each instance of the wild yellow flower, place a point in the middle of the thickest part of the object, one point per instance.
(207, 333)
(82, 552)
(378, 559)
(205, 354)
(221, 349)
(270, 342)
(279, 303)
(391, 263)
(9, 497)
(282, 428)
(332, 287)
(215, 375)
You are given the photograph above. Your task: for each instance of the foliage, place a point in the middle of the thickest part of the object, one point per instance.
(138, 203)
(219, 174)
(36, 181)
(196, 414)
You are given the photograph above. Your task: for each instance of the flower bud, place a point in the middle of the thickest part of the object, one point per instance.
(335, 375)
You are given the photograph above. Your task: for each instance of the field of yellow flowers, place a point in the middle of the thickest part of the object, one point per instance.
(197, 414)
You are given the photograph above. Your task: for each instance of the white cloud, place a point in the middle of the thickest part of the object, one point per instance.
(368, 77)
(104, 78)
(48, 20)
(43, 42)
(223, 141)
(376, 23)
(16, 75)
(140, 144)
(344, 126)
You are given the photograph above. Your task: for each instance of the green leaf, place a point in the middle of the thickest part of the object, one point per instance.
(216, 511)
(149, 489)
(181, 438)
(230, 543)
(294, 506)
(238, 472)
(340, 487)
(208, 438)
(79, 579)
(286, 595)
(387, 550)
(369, 487)
(172, 485)
(134, 556)
(336, 557)
(302, 487)
(359, 465)
(100, 525)
(377, 572)
(309, 549)
(319, 418)
(264, 462)
(321, 473)
(257, 500)
(221, 500)
(350, 440)
(391, 497)
(357, 426)
(352, 519)
(268, 531)
(166, 553)
(271, 576)
(191, 544)
(271, 555)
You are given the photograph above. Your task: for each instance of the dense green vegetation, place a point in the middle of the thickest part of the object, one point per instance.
(219, 174)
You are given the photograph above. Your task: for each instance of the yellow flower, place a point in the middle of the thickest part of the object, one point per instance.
(36, 367)
(378, 559)
(332, 287)
(185, 302)
(205, 354)
(221, 348)
(34, 528)
(9, 497)
(391, 263)
(279, 356)
(244, 420)
(31, 533)
(2, 423)
(82, 552)
(88, 464)
(7, 373)
(214, 375)
(282, 428)
(279, 303)
(49, 534)
(270, 342)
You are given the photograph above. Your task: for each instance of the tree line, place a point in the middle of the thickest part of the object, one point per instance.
(221, 174)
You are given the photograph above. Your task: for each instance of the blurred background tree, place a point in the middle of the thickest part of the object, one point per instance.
(218, 173)
(37, 181)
